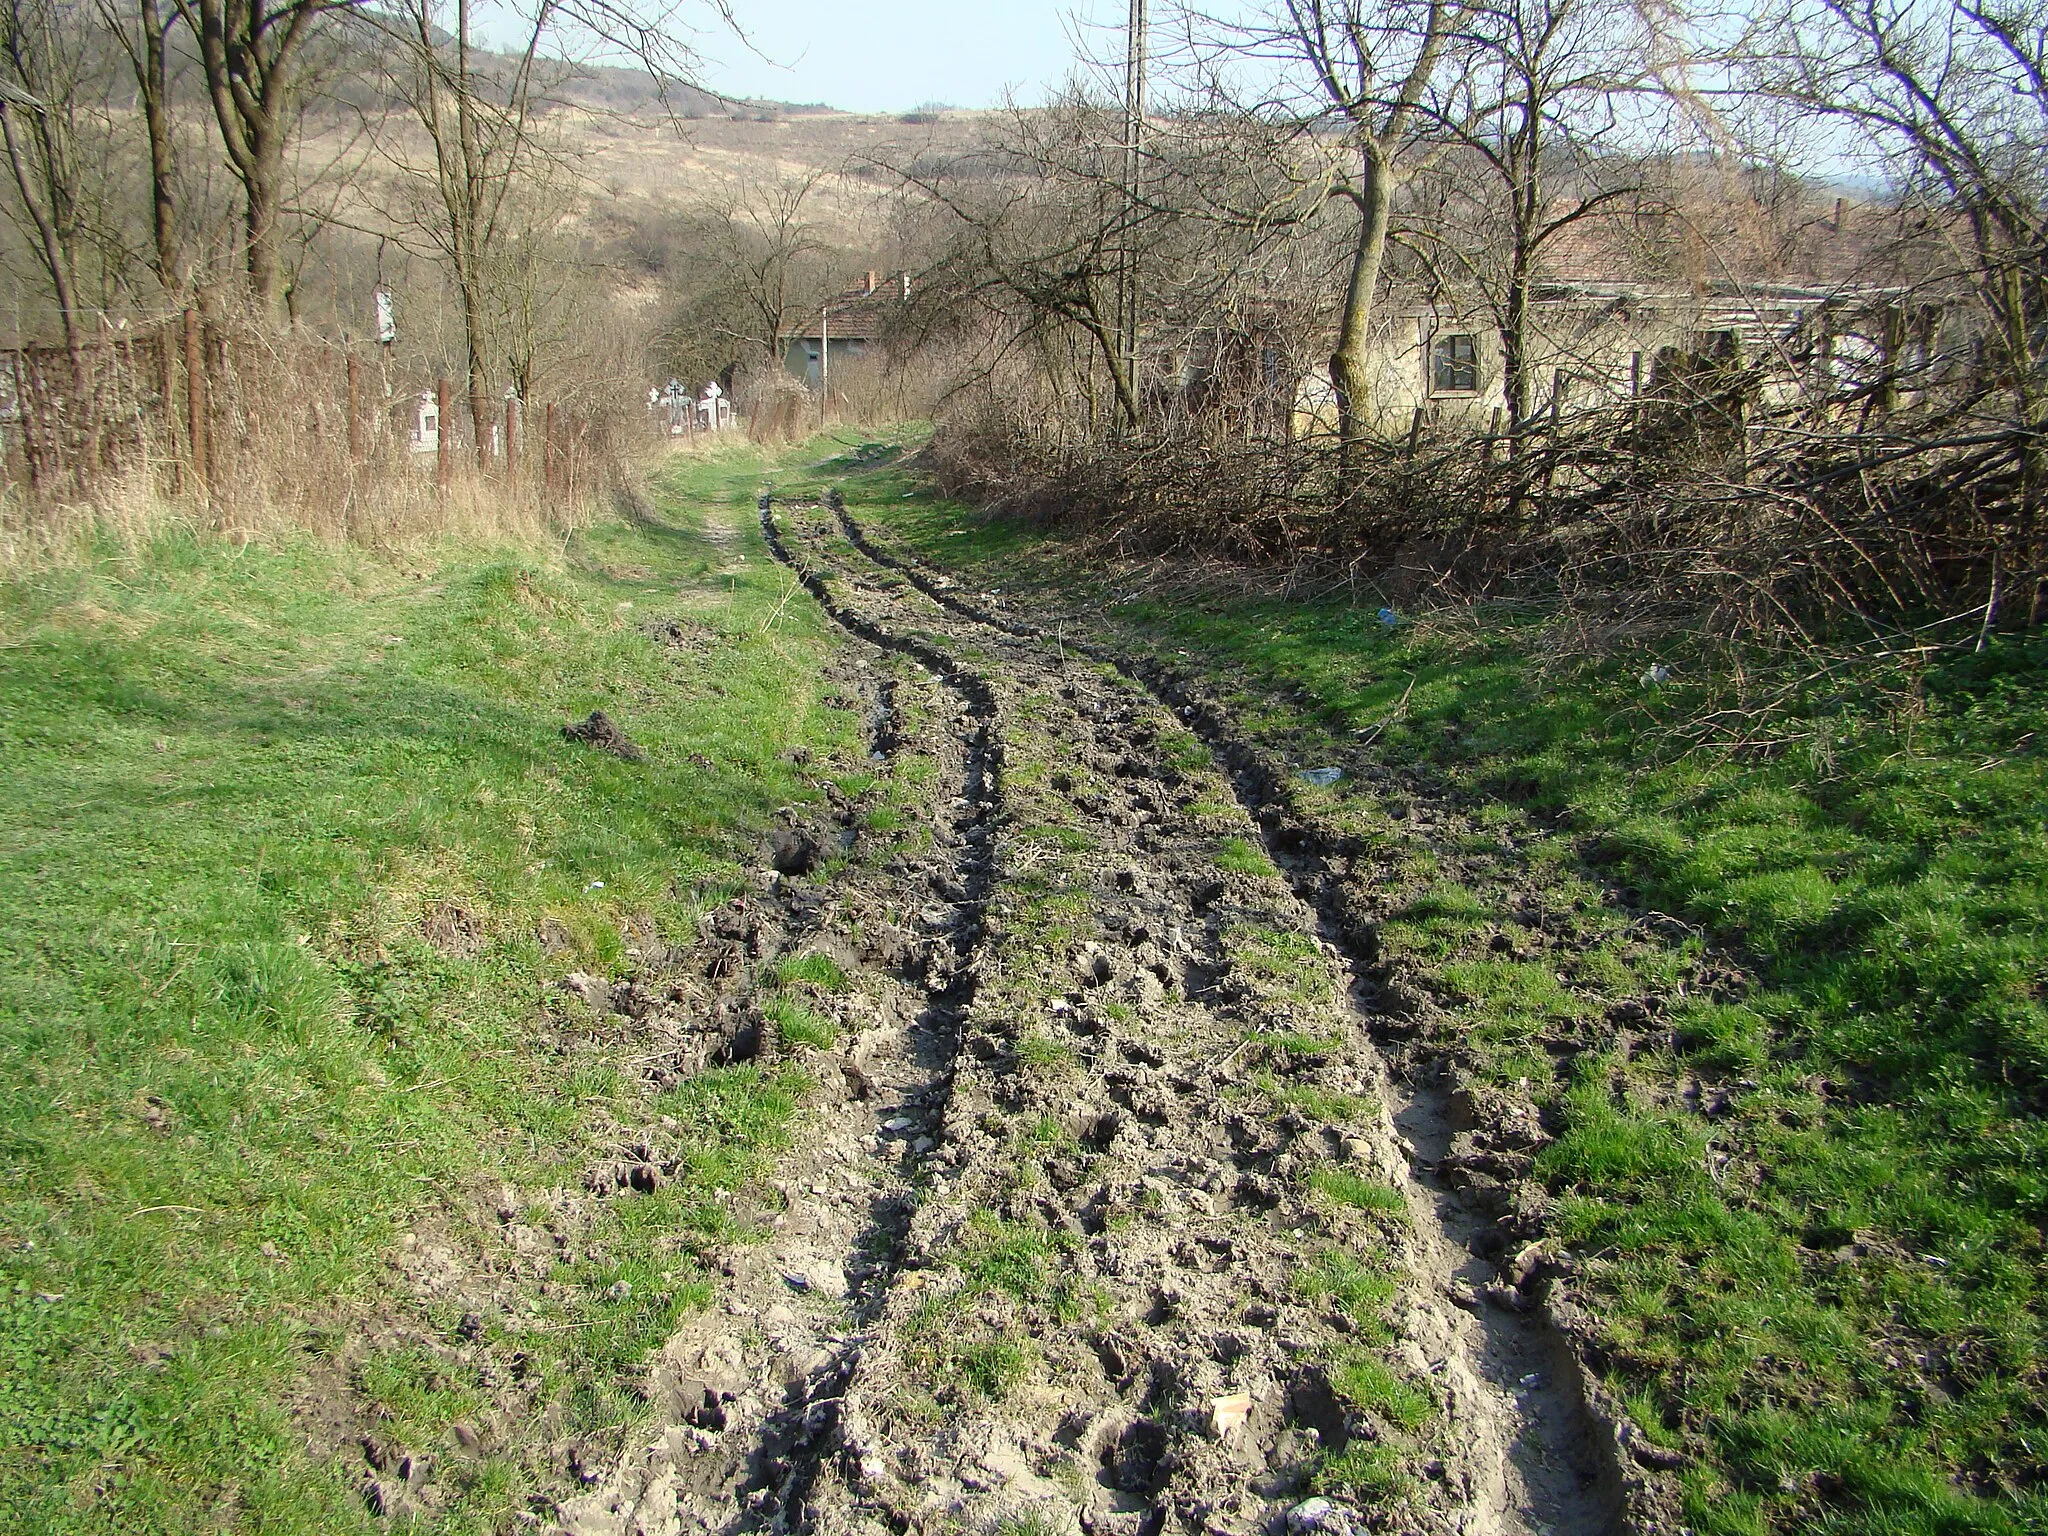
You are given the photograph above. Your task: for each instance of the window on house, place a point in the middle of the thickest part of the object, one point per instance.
(1454, 365)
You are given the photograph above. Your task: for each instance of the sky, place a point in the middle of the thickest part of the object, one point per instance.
(893, 55)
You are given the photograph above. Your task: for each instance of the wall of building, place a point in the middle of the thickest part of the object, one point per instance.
(1606, 345)
(801, 355)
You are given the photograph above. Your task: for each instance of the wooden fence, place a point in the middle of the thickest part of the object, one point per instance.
(215, 408)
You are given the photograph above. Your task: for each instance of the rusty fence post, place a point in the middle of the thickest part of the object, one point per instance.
(444, 458)
(355, 408)
(24, 407)
(195, 403)
(511, 436)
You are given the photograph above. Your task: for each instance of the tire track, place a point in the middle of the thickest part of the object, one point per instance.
(1560, 1465)
(749, 1397)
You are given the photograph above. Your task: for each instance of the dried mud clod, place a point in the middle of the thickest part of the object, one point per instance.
(601, 732)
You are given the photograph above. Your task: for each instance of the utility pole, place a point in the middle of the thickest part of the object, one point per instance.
(1134, 137)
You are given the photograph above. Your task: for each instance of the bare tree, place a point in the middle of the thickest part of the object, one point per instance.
(51, 91)
(482, 117)
(1041, 230)
(254, 56)
(1536, 108)
(143, 33)
(768, 250)
(1954, 99)
(1370, 67)
(482, 136)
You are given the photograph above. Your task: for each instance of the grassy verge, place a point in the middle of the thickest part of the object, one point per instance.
(1766, 938)
(291, 849)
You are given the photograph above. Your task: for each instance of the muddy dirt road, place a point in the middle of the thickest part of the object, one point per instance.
(1112, 1217)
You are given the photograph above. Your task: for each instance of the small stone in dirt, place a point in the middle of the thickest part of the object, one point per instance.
(1320, 1517)
(1662, 1457)
(465, 1437)
(1229, 1413)
(795, 850)
(599, 731)
(595, 991)
(1507, 1298)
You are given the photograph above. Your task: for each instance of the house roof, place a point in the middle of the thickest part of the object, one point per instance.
(864, 313)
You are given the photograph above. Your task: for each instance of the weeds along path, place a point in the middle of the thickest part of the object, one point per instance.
(1264, 1008)
(1182, 1259)
(870, 963)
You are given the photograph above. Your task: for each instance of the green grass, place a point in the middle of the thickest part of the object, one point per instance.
(1318, 1103)
(1342, 1187)
(948, 1338)
(1368, 1471)
(1368, 1382)
(809, 969)
(797, 1024)
(1043, 1052)
(1066, 839)
(1869, 854)
(1362, 1292)
(1297, 1043)
(291, 852)
(1279, 964)
(1240, 856)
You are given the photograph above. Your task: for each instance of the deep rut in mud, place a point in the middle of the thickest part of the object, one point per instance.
(1560, 1466)
(1168, 1247)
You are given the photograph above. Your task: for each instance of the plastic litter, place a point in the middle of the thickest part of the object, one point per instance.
(1388, 618)
(1657, 673)
(1322, 778)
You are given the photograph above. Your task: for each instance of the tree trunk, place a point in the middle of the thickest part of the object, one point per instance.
(250, 78)
(153, 85)
(1351, 362)
(263, 188)
(52, 248)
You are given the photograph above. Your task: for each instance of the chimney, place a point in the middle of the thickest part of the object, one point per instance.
(871, 283)
(906, 285)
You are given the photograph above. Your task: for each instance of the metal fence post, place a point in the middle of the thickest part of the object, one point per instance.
(355, 409)
(195, 403)
(443, 458)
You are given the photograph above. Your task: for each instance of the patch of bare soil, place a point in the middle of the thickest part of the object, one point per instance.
(1526, 1440)
(1124, 1207)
